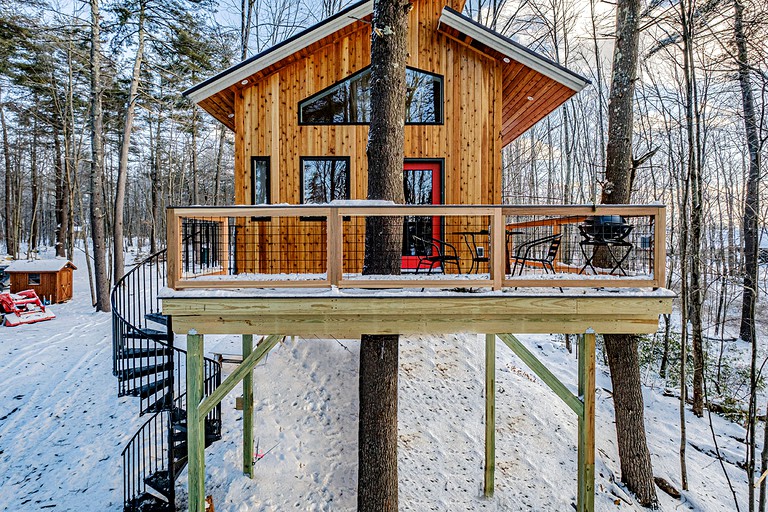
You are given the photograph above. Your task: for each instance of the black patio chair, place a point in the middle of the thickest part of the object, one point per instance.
(532, 252)
(436, 252)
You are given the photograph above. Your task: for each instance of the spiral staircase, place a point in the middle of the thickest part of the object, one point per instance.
(149, 367)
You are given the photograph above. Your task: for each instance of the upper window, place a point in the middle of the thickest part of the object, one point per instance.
(348, 101)
(259, 180)
(324, 179)
(33, 279)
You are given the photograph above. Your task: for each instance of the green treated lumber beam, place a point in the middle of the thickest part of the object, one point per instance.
(248, 410)
(232, 380)
(586, 449)
(543, 373)
(580, 430)
(195, 423)
(490, 414)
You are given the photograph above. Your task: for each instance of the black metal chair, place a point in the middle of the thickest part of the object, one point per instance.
(532, 252)
(436, 252)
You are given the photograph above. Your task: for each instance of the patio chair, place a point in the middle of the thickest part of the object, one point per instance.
(532, 252)
(436, 252)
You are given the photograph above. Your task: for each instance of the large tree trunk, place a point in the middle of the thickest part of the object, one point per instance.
(377, 438)
(635, 459)
(98, 210)
(122, 168)
(11, 243)
(751, 212)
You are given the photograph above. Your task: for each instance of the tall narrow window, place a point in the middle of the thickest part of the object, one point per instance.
(348, 101)
(324, 179)
(260, 180)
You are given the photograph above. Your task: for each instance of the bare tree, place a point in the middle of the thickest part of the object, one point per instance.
(98, 208)
(636, 471)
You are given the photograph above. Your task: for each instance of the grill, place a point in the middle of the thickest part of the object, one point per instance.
(605, 228)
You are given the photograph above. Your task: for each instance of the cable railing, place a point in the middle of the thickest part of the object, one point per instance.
(437, 246)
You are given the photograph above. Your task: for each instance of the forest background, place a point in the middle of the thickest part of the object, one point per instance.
(97, 140)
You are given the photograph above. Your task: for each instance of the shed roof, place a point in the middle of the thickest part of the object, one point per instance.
(51, 265)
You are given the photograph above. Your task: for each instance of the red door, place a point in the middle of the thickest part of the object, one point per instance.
(421, 185)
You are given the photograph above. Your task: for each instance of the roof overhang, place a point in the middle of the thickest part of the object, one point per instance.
(513, 50)
(248, 67)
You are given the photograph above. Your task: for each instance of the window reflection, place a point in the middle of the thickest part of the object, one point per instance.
(348, 102)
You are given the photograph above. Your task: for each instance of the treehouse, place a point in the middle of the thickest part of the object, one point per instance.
(286, 259)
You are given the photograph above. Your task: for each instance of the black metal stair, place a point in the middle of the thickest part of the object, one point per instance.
(148, 366)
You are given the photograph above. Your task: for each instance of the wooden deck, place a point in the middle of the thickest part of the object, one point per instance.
(349, 314)
(225, 293)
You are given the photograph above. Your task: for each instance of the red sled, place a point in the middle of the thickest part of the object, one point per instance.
(23, 308)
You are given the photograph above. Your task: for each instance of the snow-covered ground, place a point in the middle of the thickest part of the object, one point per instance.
(62, 427)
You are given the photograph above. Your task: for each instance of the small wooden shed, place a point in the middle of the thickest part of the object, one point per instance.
(50, 279)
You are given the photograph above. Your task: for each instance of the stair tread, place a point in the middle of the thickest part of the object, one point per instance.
(150, 389)
(158, 318)
(152, 334)
(141, 371)
(138, 352)
(161, 404)
(159, 482)
(148, 503)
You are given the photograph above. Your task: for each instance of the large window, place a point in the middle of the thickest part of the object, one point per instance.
(348, 101)
(259, 180)
(324, 179)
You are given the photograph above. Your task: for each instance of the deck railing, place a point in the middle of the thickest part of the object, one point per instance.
(481, 246)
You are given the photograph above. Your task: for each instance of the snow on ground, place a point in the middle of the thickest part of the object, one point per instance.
(62, 427)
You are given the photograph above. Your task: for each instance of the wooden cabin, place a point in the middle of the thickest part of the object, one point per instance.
(285, 260)
(50, 279)
(300, 113)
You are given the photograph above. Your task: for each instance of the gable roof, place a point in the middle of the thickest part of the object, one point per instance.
(260, 61)
(35, 266)
(513, 50)
(533, 85)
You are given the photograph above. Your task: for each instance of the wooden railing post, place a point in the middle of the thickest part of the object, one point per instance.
(335, 246)
(498, 243)
(173, 237)
(660, 247)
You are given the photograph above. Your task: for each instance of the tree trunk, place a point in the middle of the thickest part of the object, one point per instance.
(11, 243)
(751, 212)
(377, 436)
(635, 459)
(62, 208)
(34, 180)
(695, 289)
(122, 168)
(98, 210)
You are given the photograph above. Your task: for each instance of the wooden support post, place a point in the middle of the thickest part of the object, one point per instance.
(490, 414)
(195, 422)
(586, 452)
(248, 410)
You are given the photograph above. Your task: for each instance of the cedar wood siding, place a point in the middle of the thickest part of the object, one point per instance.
(469, 140)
